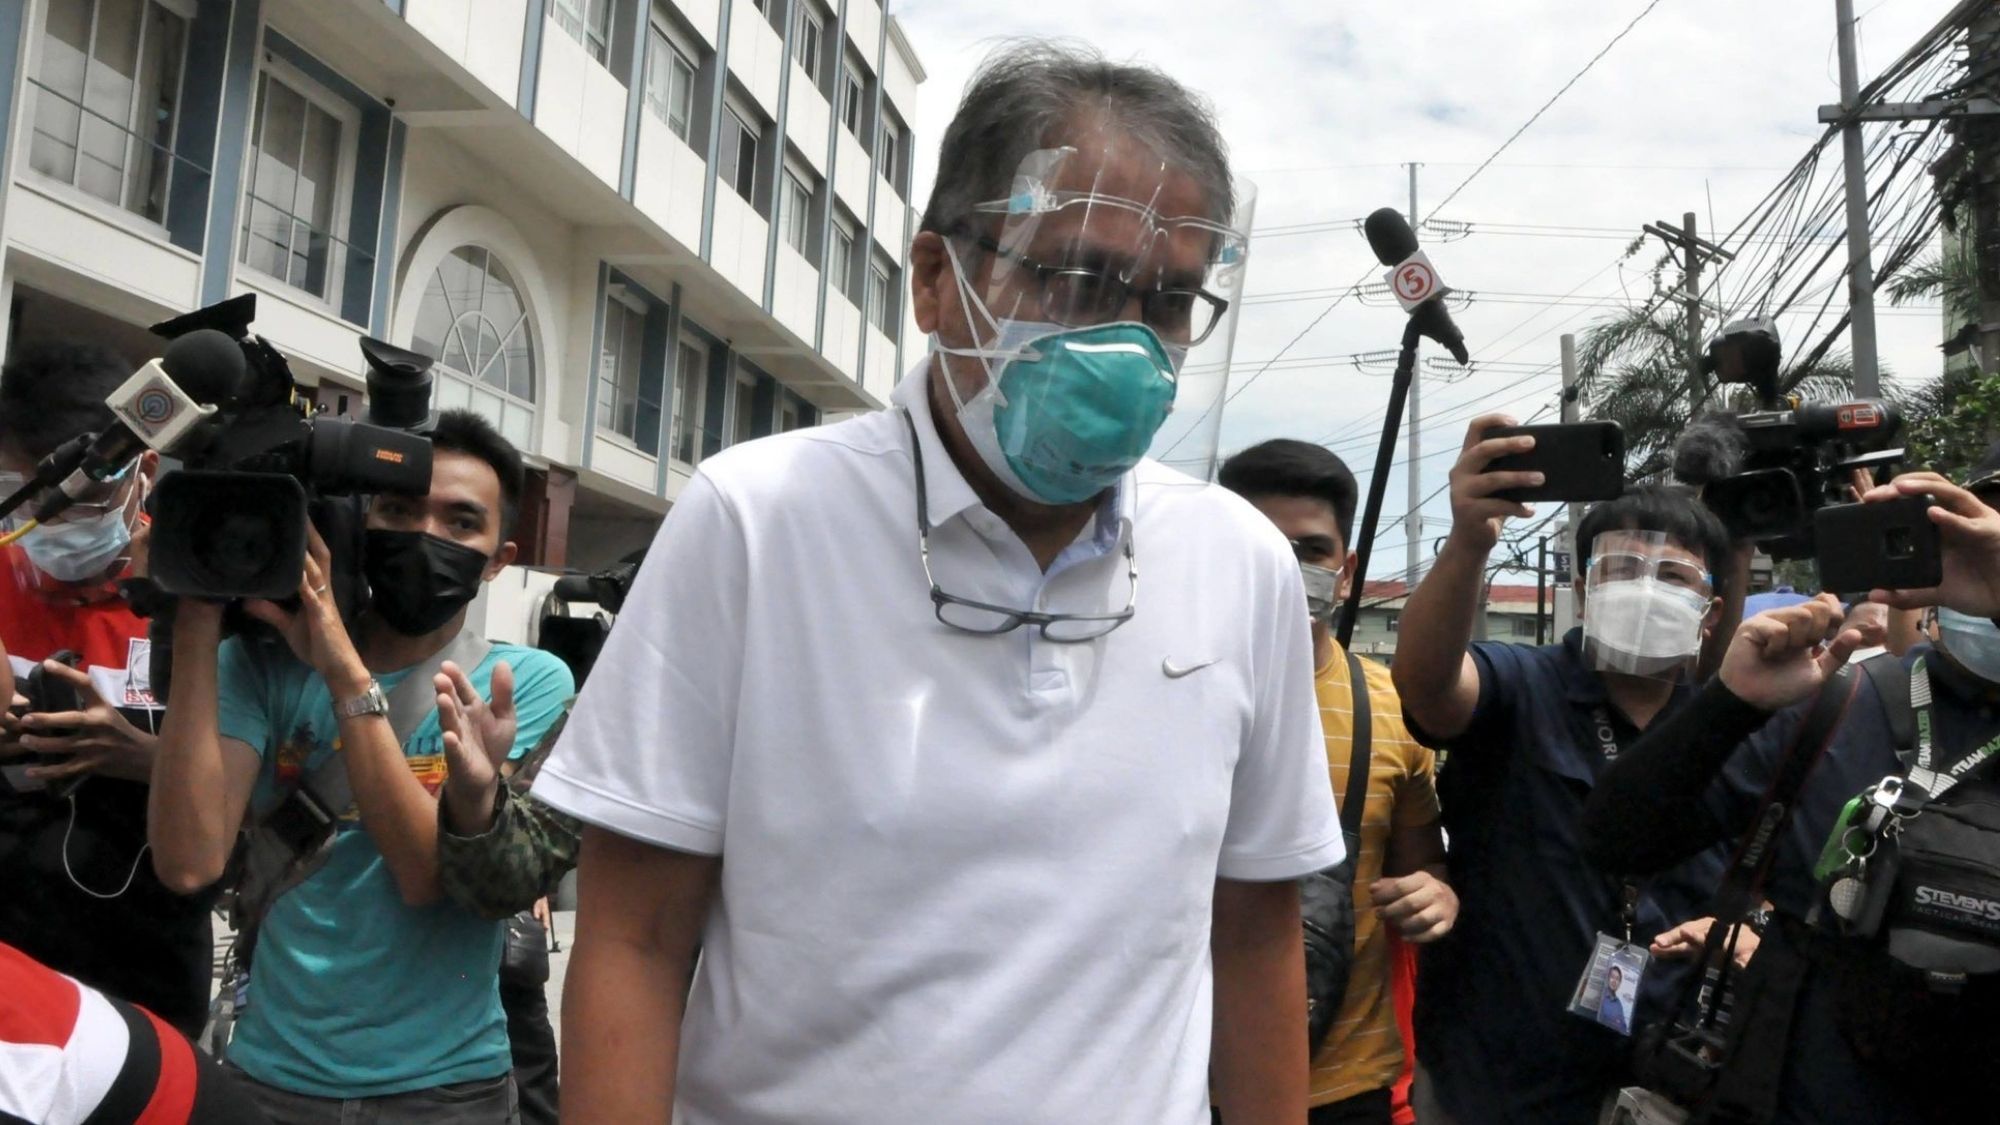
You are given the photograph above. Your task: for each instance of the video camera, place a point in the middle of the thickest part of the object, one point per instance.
(1767, 473)
(579, 640)
(232, 522)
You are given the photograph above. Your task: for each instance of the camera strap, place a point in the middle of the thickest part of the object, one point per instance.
(1743, 883)
(294, 839)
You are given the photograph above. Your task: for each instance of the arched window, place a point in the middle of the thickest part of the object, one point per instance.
(474, 322)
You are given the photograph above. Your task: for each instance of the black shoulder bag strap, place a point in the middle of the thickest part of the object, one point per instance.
(1892, 684)
(1744, 1081)
(1360, 759)
(278, 857)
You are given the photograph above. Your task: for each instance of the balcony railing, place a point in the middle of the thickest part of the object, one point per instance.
(288, 248)
(151, 179)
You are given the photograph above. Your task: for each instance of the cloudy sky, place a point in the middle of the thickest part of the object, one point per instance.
(1702, 107)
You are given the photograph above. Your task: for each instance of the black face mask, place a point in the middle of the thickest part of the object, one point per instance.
(416, 582)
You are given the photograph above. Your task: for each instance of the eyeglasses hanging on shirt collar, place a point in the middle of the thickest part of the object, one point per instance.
(990, 620)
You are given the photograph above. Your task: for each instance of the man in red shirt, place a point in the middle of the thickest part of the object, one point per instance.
(81, 896)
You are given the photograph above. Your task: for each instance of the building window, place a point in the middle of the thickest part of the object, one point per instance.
(808, 39)
(795, 212)
(108, 100)
(669, 83)
(853, 94)
(840, 258)
(1389, 622)
(1524, 626)
(888, 154)
(618, 367)
(589, 23)
(690, 389)
(881, 294)
(301, 165)
(473, 320)
(745, 425)
(739, 155)
(788, 416)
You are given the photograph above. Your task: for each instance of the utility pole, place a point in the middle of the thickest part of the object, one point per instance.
(1572, 411)
(1977, 113)
(1413, 521)
(1860, 266)
(1694, 250)
(1541, 590)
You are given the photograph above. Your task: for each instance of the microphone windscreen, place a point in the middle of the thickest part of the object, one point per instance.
(206, 364)
(1390, 236)
(1712, 448)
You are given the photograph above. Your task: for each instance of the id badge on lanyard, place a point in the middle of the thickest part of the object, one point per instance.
(1608, 990)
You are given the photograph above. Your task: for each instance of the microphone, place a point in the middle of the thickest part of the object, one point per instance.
(1712, 448)
(157, 408)
(1413, 279)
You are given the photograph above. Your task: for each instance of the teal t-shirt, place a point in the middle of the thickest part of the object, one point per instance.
(353, 993)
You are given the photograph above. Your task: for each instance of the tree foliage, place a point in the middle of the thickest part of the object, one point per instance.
(1632, 367)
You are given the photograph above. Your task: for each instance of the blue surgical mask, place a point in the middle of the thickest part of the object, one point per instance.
(1973, 642)
(1066, 412)
(78, 549)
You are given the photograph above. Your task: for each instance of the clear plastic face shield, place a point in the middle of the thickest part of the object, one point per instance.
(1088, 290)
(1645, 599)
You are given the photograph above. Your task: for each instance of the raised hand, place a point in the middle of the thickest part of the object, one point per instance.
(1777, 658)
(315, 631)
(1970, 533)
(478, 736)
(1476, 514)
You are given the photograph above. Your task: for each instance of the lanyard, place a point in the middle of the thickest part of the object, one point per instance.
(1606, 733)
(1925, 772)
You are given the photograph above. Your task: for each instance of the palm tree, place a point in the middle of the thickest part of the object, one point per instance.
(1951, 419)
(1632, 368)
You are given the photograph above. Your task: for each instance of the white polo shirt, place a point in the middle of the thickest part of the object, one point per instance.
(965, 878)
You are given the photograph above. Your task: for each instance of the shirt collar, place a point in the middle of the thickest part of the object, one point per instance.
(948, 493)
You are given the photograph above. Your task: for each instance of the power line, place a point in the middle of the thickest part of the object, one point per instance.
(1454, 193)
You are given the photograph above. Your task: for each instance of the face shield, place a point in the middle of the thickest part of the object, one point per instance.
(1087, 289)
(85, 543)
(1644, 600)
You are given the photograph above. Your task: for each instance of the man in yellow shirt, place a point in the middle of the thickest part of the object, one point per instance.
(1399, 875)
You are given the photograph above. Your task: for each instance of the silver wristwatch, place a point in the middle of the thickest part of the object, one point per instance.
(370, 702)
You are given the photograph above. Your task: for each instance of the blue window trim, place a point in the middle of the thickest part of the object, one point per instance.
(531, 57)
(232, 143)
(376, 148)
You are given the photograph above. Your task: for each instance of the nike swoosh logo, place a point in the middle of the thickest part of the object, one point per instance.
(1176, 671)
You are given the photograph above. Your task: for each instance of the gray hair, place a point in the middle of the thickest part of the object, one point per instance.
(1029, 91)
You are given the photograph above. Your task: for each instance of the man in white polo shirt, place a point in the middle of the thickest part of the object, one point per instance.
(968, 828)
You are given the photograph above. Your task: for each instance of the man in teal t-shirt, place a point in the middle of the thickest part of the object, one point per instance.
(367, 983)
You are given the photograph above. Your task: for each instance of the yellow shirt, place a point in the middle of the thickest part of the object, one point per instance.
(1364, 1051)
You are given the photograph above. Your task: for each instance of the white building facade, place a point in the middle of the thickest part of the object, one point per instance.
(632, 232)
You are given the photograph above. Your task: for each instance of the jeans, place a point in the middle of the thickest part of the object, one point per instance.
(533, 1041)
(483, 1101)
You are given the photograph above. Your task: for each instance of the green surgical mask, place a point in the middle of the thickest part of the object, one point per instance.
(1065, 412)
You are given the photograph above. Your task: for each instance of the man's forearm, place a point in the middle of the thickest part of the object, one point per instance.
(622, 1003)
(186, 823)
(1437, 624)
(397, 812)
(1259, 1066)
(521, 856)
(1645, 814)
